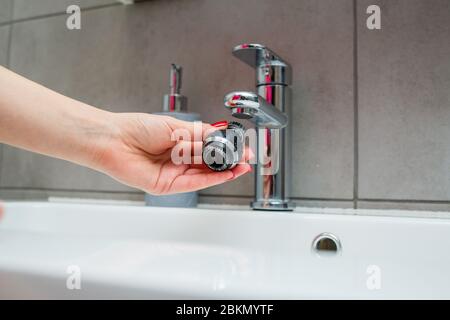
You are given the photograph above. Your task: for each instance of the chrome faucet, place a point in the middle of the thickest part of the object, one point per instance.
(268, 111)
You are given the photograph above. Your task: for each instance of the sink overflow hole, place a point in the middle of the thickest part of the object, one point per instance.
(327, 244)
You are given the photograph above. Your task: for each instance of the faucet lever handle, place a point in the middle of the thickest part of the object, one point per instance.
(256, 54)
(270, 67)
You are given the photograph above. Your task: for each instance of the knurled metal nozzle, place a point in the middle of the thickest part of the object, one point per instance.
(223, 149)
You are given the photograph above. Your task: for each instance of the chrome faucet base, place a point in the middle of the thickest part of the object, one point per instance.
(268, 109)
(273, 205)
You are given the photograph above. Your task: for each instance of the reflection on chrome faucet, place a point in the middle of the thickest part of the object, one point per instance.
(267, 109)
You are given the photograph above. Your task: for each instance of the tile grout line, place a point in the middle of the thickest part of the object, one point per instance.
(292, 198)
(8, 52)
(25, 189)
(355, 108)
(411, 201)
(405, 201)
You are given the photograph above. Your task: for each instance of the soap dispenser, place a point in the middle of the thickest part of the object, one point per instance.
(175, 105)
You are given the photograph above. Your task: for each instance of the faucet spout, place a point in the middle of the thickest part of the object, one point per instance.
(253, 107)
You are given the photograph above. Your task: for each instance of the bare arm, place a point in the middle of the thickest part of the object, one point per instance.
(133, 148)
(35, 118)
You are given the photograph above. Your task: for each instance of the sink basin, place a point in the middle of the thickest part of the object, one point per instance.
(134, 252)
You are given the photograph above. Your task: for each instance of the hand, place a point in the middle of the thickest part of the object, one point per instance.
(132, 148)
(138, 153)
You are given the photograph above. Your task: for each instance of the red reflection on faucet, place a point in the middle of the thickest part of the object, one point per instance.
(268, 88)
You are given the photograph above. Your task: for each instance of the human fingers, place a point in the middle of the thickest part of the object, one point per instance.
(197, 130)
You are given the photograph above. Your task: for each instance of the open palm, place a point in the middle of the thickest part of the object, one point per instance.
(139, 155)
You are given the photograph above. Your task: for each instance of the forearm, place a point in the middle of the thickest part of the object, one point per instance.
(35, 118)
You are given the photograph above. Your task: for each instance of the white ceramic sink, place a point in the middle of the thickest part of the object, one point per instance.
(158, 253)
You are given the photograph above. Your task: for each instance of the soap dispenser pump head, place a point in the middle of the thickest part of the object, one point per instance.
(175, 101)
(175, 78)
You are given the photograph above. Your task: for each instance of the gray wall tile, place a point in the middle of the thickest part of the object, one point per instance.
(32, 8)
(119, 61)
(5, 10)
(23, 169)
(323, 204)
(405, 206)
(96, 67)
(75, 56)
(322, 111)
(217, 200)
(44, 195)
(404, 105)
(120, 58)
